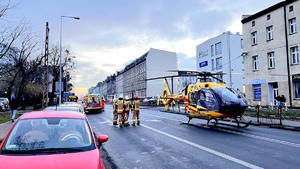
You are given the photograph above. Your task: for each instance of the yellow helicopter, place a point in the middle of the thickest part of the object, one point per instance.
(206, 99)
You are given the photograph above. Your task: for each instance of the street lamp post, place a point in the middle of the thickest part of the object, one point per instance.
(60, 51)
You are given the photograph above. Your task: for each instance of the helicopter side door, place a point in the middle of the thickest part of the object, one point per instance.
(207, 99)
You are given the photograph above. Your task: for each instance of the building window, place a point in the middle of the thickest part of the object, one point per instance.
(294, 55)
(293, 26)
(271, 60)
(291, 8)
(255, 63)
(269, 33)
(218, 48)
(212, 50)
(257, 92)
(254, 38)
(268, 17)
(297, 89)
(212, 64)
(219, 63)
(253, 23)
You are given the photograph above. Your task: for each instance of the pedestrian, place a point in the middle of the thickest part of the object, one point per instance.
(136, 111)
(127, 110)
(115, 112)
(13, 104)
(120, 109)
(280, 100)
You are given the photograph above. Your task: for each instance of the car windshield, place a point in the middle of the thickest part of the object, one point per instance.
(51, 134)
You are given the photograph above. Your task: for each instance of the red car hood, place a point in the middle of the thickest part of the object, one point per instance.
(87, 160)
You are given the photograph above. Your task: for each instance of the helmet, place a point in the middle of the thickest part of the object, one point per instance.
(126, 97)
(135, 97)
(120, 96)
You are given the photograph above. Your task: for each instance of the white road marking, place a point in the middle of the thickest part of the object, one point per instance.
(261, 138)
(247, 135)
(104, 122)
(241, 162)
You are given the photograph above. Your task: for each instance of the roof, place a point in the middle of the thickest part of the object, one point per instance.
(267, 10)
(52, 114)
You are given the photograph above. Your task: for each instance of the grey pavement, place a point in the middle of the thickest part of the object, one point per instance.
(269, 122)
(4, 127)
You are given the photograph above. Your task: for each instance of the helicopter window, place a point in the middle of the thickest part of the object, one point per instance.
(208, 100)
(226, 94)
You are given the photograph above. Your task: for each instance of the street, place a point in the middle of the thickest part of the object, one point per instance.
(162, 141)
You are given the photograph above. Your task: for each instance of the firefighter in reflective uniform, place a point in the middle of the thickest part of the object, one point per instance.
(136, 111)
(127, 110)
(115, 112)
(120, 109)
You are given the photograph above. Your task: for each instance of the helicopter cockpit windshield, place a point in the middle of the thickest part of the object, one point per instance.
(230, 97)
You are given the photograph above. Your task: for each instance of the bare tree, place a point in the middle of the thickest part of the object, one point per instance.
(7, 35)
(22, 68)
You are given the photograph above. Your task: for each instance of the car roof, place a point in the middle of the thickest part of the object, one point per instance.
(70, 104)
(52, 114)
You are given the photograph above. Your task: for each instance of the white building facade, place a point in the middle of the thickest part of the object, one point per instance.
(223, 53)
(271, 44)
(132, 80)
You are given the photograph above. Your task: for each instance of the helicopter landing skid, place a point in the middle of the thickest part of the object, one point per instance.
(244, 126)
(213, 124)
(238, 124)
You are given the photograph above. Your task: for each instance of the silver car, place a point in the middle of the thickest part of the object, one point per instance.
(2, 108)
(5, 101)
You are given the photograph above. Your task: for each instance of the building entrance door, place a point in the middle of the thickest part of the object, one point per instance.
(275, 94)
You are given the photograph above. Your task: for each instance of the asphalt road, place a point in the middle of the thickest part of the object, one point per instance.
(162, 141)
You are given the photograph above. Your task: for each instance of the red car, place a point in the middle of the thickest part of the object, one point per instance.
(51, 139)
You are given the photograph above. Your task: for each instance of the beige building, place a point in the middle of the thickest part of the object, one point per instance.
(271, 58)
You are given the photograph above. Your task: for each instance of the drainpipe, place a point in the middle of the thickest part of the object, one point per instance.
(229, 54)
(287, 56)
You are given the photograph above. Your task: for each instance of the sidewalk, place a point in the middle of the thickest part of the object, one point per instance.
(4, 127)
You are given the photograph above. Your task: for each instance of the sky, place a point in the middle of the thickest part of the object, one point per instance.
(112, 33)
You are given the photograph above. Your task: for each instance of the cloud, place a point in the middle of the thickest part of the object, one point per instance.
(112, 33)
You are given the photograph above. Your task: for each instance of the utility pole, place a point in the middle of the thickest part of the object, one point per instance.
(46, 81)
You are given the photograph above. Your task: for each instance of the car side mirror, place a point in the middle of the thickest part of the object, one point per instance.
(101, 139)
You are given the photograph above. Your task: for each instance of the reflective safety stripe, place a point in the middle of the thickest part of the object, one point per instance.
(120, 105)
(127, 104)
(136, 105)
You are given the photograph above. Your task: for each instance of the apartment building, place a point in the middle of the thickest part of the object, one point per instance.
(223, 54)
(132, 80)
(271, 58)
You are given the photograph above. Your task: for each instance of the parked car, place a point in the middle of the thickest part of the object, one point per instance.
(73, 104)
(5, 102)
(62, 108)
(146, 100)
(153, 100)
(51, 139)
(2, 108)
